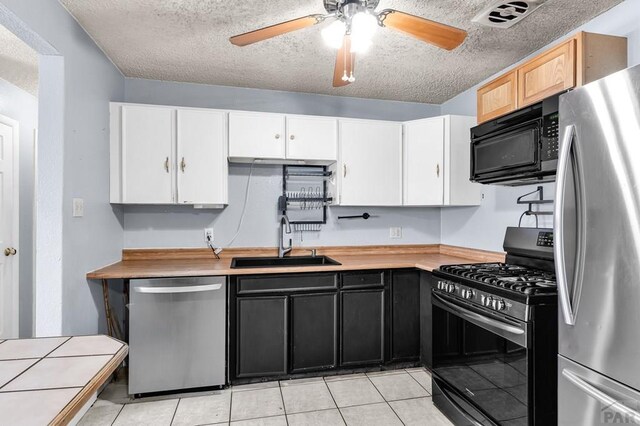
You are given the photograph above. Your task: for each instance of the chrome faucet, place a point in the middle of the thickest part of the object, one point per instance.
(285, 227)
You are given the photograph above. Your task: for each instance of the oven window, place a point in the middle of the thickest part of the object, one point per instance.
(508, 151)
(485, 368)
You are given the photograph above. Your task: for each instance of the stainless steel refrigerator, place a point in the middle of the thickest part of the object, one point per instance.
(597, 252)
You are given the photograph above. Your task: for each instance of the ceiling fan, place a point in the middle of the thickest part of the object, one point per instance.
(354, 24)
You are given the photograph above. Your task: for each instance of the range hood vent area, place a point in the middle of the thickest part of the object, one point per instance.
(505, 14)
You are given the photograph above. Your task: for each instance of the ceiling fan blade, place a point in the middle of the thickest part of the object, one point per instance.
(432, 32)
(276, 30)
(344, 63)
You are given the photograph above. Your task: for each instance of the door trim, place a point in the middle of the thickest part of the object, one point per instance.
(15, 226)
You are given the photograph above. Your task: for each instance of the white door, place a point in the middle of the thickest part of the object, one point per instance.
(202, 157)
(371, 163)
(312, 138)
(8, 234)
(424, 162)
(147, 155)
(256, 135)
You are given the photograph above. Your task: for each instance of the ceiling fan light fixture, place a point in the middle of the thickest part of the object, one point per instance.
(363, 28)
(334, 34)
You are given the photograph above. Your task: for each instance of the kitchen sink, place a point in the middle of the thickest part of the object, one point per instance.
(277, 262)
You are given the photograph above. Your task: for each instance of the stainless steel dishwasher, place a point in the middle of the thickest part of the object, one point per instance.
(176, 334)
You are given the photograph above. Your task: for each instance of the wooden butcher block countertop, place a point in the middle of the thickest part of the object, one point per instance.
(166, 263)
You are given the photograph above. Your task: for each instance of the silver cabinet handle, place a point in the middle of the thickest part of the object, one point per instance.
(166, 165)
(607, 400)
(10, 251)
(558, 220)
(183, 165)
(277, 135)
(182, 289)
(438, 170)
(344, 170)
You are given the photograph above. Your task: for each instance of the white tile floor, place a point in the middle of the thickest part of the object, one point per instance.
(388, 398)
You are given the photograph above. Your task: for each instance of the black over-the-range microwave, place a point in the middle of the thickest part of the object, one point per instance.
(519, 148)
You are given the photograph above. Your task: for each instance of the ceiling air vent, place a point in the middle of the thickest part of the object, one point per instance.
(505, 14)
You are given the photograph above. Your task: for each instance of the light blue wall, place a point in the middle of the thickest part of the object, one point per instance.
(181, 226)
(71, 305)
(223, 97)
(483, 227)
(21, 106)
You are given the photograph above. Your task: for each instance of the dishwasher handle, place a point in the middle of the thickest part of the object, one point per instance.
(180, 289)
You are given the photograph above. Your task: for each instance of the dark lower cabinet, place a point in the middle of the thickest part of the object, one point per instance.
(362, 327)
(314, 332)
(426, 318)
(261, 336)
(405, 315)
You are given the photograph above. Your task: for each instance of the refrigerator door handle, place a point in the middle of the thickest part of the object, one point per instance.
(605, 399)
(558, 219)
(181, 289)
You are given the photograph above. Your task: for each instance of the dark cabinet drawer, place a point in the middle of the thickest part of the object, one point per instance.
(364, 279)
(286, 283)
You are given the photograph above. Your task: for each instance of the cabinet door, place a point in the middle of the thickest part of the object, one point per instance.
(371, 163)
(498, 97)
(256, 135)
(314, 332)
(261, 336)
(424, 162)
(202, 157)
(405, 315)
(362, 327)
(426, 284)
(312, 138)
(147, 155)
(550, 73)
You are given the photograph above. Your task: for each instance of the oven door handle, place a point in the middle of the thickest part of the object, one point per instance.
(512, 332)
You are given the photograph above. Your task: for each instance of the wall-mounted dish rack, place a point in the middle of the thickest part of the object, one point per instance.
(304, 196)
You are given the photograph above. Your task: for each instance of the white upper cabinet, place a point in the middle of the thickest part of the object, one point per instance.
(202, 152)
(256, 135)
(424, 162)
(437, 162)
(147, 160)
(312, 138)
(277, 138)
(165, 155)
(370, 167)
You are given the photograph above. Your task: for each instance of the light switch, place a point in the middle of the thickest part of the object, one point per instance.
(78, 207)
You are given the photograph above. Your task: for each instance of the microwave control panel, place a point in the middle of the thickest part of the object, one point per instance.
(550, 133)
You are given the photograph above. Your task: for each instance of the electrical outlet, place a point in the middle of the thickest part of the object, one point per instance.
(395, 232)
(208, 235)
(78, 207)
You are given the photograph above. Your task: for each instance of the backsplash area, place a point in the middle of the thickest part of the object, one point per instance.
(183, 226)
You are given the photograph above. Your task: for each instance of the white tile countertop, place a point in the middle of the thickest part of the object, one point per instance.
(48, 380)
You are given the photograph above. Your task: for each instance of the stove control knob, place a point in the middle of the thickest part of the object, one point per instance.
(467, 294)
(451, 288)
(441, 285)
(487, 301)
(498, 305)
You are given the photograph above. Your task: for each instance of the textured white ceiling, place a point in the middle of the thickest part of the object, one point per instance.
(187, 40)
(18, 62)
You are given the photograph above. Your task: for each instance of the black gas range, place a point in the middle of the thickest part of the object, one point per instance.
(495, 335)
